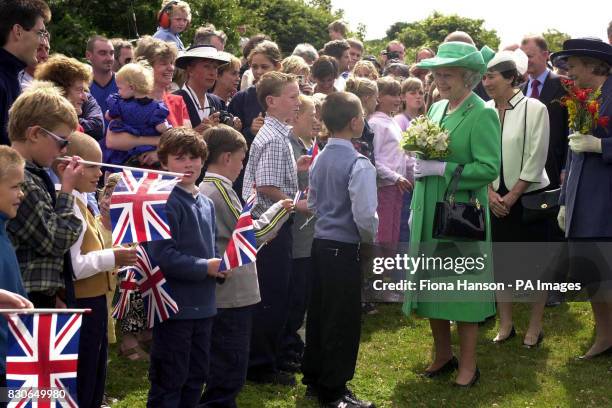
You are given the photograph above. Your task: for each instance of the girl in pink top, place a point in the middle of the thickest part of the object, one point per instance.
(393, 166)
(413, 103)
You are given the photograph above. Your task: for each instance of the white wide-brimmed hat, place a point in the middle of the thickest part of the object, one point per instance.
(201, 52)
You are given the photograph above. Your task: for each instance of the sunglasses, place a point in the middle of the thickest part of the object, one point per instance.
(61, 142)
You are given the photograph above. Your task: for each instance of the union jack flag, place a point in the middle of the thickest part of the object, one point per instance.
(137, 207)
(313, 151)
(158, 303)
(42, 357)
(127, 286)
(242, 247)
(298, 196)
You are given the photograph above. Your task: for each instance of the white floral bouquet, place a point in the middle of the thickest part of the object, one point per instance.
(426, 138)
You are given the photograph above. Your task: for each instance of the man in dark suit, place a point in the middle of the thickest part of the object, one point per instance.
(545, 85)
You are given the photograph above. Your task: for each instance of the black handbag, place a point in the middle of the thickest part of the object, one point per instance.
(459, 221)
(540, 206)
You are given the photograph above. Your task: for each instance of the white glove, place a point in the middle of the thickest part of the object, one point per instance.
(580, 143)
(561, 218)
(424, 168)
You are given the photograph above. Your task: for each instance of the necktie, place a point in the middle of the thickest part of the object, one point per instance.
(535, 91)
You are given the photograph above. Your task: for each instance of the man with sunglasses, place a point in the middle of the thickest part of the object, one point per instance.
(22, 29)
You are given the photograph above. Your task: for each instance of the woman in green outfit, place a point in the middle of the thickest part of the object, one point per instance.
(474, 142)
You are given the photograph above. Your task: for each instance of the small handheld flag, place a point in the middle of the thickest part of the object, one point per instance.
(242, 246)
(137, 208)
(42, 357)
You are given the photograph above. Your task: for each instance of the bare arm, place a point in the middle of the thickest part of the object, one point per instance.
(125, 141)
(272, 192)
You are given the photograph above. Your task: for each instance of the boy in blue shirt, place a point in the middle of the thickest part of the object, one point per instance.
(173, 19)
(11, 177)
(190, 263)
(342, 194)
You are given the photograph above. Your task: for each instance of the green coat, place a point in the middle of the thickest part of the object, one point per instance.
(475, 139)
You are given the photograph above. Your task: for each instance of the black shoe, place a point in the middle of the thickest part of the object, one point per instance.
(276, 378)
(472, 382)
(537, 343)
(606, 352)
(508, 337)
(348, 401)
(448, 367)
(290, 367)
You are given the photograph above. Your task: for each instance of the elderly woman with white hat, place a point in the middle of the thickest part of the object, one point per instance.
(524, 148)
(586, 195)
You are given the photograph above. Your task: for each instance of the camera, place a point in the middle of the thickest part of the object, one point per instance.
(226, 118)
(392, 55)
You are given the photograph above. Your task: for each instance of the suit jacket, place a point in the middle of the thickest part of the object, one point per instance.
(524, 143)
(586, 191)
(551, 94)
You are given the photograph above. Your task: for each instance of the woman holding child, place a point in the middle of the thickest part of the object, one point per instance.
(474, 143)
(161, 56)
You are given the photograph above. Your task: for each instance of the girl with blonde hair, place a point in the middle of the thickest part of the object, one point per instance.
(132, 111)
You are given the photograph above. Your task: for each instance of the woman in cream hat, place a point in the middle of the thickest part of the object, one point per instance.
(525, 135)
(475, 144)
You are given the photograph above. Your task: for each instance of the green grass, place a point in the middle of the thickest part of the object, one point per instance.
(395, 349)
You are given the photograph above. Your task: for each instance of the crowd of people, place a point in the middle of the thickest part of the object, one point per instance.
(249, 125)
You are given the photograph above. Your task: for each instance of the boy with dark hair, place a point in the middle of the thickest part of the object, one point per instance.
(272, 171)
(237, 296)
(342, 194)
(339, 49)
(22, 30)
(40, 125)
(337, 30)
(189, 260)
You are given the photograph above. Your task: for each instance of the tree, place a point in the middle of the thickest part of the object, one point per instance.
(290, 22)
(395, 29)
(555, 39)
(361, 31)
(431, 32)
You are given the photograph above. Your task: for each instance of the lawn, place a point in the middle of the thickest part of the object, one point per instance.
(394, 350)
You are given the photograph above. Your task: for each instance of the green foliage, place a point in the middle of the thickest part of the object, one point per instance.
(555, 39)
(288, 22)
(431, 31)
(395, 29)
(361, 31)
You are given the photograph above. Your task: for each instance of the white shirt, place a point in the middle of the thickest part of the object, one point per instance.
(391, 161)
(91, 263)
(203, 111)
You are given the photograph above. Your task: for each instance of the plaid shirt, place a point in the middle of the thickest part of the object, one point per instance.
(42, 232)
(271, 163)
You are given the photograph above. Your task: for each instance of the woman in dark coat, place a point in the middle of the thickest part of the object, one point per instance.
(586, 204)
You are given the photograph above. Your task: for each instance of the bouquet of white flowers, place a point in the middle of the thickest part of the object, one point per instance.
(426, 138)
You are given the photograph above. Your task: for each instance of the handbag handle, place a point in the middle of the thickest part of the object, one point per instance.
(451, 190)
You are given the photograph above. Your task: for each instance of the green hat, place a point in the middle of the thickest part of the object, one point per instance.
(487, 54)
(456, 54)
